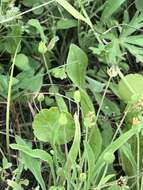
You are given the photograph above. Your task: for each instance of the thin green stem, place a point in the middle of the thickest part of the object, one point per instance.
(47, 69)
(121, 122)
(9, 100)
(25, 12)
(2, 153)
(102, 100)
(138, 162)
(90, 23)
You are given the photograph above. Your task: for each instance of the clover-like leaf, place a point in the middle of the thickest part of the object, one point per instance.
(48, 127)
(59, 73)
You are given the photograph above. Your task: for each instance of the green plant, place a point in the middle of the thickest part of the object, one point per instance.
(73, 108)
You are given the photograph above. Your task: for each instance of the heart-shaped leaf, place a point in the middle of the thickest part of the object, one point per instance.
(53, 126)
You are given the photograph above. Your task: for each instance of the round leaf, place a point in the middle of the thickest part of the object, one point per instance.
(48, 128)
(39, 10)
(22, 62)
(136, 82)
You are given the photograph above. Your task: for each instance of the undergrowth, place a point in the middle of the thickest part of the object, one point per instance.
(71, 94)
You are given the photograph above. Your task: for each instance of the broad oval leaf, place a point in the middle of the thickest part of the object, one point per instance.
(29, 81)
(76, 69)
(76, 66)
(135, 81)
(66, 24)
(22, 62)
(48, 127)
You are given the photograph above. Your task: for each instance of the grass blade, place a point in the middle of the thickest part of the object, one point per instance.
(72, 11)
(75, 147)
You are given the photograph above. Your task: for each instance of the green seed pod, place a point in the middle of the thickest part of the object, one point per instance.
(42, 47)
(82, 177)
(77, 96)
(52, 152)
(90, 120)
(41, 97)
(109, 157)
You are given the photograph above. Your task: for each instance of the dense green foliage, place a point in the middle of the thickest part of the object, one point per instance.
(71, 94)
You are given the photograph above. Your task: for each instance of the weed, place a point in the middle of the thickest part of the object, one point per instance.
(71, 94)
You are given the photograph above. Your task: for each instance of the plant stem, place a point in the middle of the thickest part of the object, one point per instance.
(47, 69)
(138, 162)
(102, 100)
(25, 12)
(90, 23)
(121, 122)
(9, 100)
